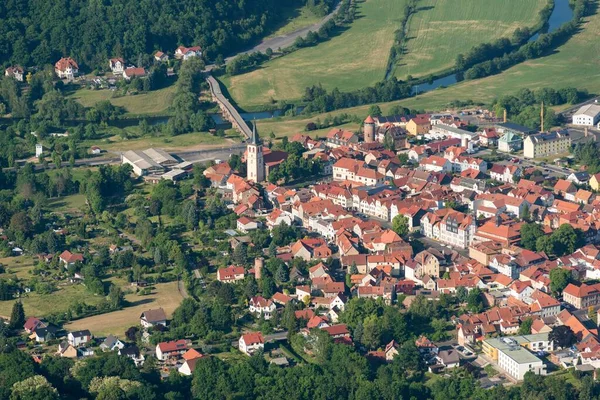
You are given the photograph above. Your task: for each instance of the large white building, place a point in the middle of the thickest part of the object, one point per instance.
(449, 227)
(514, 354)
(588, 115)
(546, 144)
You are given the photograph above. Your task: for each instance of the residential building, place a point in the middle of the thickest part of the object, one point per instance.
(588, 115)
(338, 137)
(185, 53)
(546, 144)
(111, 343)
(173, 349)
(418, 126)
(116, 65)
(66, 68)
(231, 274)
(245, 224)
(69, 259)
(449, 227)
(159, 56)
(252, 342)
(15, 72)
(510, 142)
(79, 338)
(261, 307)
(582, 296)
(190, 358)
(595, 182)
(154, 317)
(130, 73)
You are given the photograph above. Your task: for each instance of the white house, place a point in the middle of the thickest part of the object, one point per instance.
(245, 224)
(185, 53)
(251, 343)
(14, 72)
(588, 115)
(173, 349)
(153, 317)
(112, 343)
(66, 68)
(159, 56)
(79, 338)
(130, 73)
(39, 150)
(261, 307)
(116, 65)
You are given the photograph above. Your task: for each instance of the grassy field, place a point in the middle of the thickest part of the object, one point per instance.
(189, 141)
(356, 58)
(442, 29)
(154, 102)
(59, 301)
(166, 296)
(295, 18)
(68, 204)
(19, 266)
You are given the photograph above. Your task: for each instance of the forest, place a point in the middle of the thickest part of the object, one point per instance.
(37, 32)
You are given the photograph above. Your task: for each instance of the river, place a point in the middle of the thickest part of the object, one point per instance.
(561, 13)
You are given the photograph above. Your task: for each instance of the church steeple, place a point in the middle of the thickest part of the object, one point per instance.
(254, 138)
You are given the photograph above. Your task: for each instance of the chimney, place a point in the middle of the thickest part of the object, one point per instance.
(505, 115)
(498, 220)
(258, 265)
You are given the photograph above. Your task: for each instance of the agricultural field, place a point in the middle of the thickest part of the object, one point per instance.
(154, 102)
(165, 295)
(355, 58)
(555, 70)
(442, 29)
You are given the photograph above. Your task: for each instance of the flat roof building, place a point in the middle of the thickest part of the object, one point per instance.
(514, 354)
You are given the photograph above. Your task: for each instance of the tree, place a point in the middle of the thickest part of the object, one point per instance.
(17, 316)
(474, 300)
(375, 111)
(439, 326)
(115, 297)
(562, 336)
(371, 335)
(400, 225)
(461, 294)
(559, 279)
(33, 388)
(525, 327)
(530, 232)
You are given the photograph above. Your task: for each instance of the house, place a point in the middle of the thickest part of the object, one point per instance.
(245, 224)
(130, 73)
(33, 323)
(133, 352)
(510, 142)
(565, 189)
(513, 355)
(231, 274)
(15, 72)
(252, 342)
(595, 182)
(173, 349)
(189, 364)
(546, 144)
(185, 53)
(66, 68)
(338, 137)
(116, 65)
(159, 56)
(95, 150)
(418, 126)
(154, 317)
(261, 307)
(580, 178)
(489, 137)
(41, 335)
(449, 227)
(436, 164)
(67, 350)
(111, 343)
(79, 338)
(448, 358)
(505, 173)
(587, 115)
(69, 259)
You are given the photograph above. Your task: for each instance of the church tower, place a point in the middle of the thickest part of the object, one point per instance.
(255, 164)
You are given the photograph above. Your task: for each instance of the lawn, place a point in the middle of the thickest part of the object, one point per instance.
(442, 29)
(290, 127)
(19, 266)
(68, 204)
(354, 59)
(155, 102)
(295, 18)
(166, 296)
(59, 301)
(189, 141)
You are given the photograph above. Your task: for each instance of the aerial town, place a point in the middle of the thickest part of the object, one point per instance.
(194, 207)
